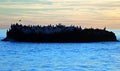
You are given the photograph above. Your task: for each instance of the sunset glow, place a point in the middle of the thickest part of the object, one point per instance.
(85, 13)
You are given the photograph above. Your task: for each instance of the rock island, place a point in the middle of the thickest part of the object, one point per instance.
(57, 33)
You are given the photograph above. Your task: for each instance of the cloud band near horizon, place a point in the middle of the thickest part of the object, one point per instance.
(87, 13)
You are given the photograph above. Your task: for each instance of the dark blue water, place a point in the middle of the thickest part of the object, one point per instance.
(102, 56)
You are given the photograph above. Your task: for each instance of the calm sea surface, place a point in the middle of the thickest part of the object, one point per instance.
(101, 56)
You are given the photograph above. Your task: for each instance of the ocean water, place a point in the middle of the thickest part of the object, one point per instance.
(100, 56)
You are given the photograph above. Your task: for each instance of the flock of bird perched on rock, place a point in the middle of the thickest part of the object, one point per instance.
(57, 33)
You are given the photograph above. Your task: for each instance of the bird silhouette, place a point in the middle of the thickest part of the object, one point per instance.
(19, 20)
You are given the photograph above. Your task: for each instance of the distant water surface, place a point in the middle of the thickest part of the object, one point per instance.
(100, 56)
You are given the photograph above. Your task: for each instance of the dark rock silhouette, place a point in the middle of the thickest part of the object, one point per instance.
(58, 33)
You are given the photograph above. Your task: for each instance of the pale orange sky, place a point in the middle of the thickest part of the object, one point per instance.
(85, 13)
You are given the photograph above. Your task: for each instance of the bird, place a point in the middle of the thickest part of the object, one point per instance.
(19, 20)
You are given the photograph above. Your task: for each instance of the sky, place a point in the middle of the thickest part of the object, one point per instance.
(85, 13)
